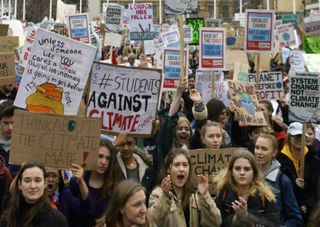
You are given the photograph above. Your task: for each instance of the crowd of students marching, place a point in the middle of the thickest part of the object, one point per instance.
(148, 182)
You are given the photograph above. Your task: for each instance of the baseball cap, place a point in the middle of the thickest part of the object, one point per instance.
(295, 128)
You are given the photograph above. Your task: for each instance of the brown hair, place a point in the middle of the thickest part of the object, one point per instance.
(211, 124)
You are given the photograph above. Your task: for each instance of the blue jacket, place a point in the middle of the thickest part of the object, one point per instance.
(290, 215)
(76, 210)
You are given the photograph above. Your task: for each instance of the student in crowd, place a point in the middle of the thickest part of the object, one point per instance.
(77, 209)
(212, 135)
(311, 140)
(8, 92)
(290, 158)
(266, 149)
(5, 181)
(175, 203)
(28, 204)
(133, 163)
(100, 182)
(127, 207)
(240, 191)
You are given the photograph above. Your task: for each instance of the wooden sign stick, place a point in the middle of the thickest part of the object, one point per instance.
(303, 143)
(182, 63)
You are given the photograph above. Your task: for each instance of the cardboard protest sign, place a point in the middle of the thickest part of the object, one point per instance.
(4, 29)
(259, 30)
(171, 68)
(203, 83)
(171, 38)
(287, 6)
(304, 103)
(240, 72)
(235, 56)
(243, 97)
(27, 47)
(9, 43)
(270, 85)
(187, 34)
(312, 28)
(56, 74)
(112, 39)
(56, 141)
(140, 21)
(79, 27)
(312, 62)
(290, 18)
(210, 161)
(64, 10)
(297, 63)
(125, 98)
(195, 24)
(212, 51)
(286, 36)
(7, 69)
(113, 14)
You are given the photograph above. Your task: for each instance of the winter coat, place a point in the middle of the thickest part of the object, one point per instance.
(258, 206)
(168, 212)
(290, 215)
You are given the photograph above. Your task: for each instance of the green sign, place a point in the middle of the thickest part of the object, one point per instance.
(290, 18)
(311, 44)
(195, 24)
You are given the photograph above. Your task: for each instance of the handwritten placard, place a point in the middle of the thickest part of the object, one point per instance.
(286, 36)
(27, 47)
(7, 69)
(297, 63)
(56, 74)
(56, 141)
(125, 98)
(9, 44)
(64, 10)
(243, 97)
(112, 39)
(304, 103)
(113, 14)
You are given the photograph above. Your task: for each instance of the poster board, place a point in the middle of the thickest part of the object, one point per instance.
(287, 6)
(196, 24)
(297, 63)
(112, 39)
(304, 102)
(79, 27)
(56, 74)
(235, 56)
(243, 97)
(140, 21)
(286, 36)
(290, 18)
(27, 47)
(212, 51)
(171, 68)
(4, 29)
(7, 69)
(210, 161)
(55, 141)
(311, 28)
(113, 14)
(171, 38)
(312, 62)
(9, 43)
(125, 98)
(64, 10)
(259, 31)
(203, 83)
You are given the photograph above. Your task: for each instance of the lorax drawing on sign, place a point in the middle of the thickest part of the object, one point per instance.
(46, 99)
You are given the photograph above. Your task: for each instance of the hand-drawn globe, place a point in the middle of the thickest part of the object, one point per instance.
(286, 36)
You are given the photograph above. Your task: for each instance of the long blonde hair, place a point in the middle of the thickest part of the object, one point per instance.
(224, 178)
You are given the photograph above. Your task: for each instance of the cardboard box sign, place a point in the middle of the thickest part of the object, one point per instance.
(55, 140)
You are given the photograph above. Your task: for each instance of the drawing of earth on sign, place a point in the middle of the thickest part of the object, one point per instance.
(286, 36)
(46, 99)
(247, 103)
(175, 6)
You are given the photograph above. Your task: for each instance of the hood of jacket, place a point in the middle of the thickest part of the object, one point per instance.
(273, 171)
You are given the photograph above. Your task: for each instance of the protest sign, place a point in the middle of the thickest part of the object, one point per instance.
(212, 51)
(79, 27)
(56, 141)
(304, 102)
(125, 98)
(19, 72)
(241, 17)
(286, 36)
(64, 10)
(187, 34)
(9, 44)
(149, 47)
(27, 47)
(171, 38)
(4, 29)
(203, 83)
(312, 28)
(113, 14)
(290, 18)
(233, 56)
(195, 24)
(297, 63)
(112, 39)
(7, 69)
(211, 22)
(175, 7)
(312, 62)
(269, 86)
(171, 68)
(210, 161)
(311, 44)
(240, 72)
(140, 21)
(286, 6)
(56, 74)
(221, 92)
(259, 30)
(243, 97)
